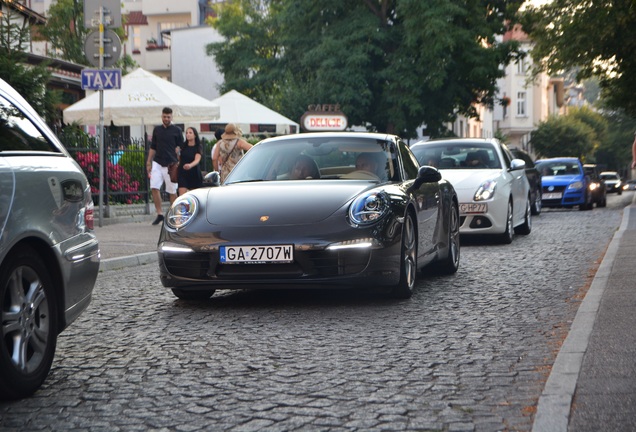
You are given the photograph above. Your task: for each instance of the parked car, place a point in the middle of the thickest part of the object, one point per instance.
(564, 183)
(597, 185)
(315, 209)
(492, 186)
(613, 182)
(49, 256)
(534, 178)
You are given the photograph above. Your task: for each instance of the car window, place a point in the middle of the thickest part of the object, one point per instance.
(457, 156)
(411, 164)
(18, 132)
(558, 168)
(322, 158)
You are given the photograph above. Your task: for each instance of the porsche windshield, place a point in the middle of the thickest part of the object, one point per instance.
(317, 158)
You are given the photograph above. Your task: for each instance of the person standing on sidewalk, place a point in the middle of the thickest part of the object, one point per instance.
(164, 148)
(229, 150)
(190, 176)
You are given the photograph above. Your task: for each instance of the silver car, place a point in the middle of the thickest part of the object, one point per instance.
(49, 256)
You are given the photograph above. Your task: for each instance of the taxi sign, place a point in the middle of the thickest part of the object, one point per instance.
(101, 79)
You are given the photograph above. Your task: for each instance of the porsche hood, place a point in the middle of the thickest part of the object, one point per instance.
(282, 203)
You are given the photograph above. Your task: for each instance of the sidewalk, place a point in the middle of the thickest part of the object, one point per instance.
(129, 243)
(592, 386)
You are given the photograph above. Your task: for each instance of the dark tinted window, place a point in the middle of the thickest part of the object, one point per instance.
(18, 132)
(411, 165)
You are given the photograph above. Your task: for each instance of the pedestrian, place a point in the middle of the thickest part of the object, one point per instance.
(164, 147)
(218, 133)
(229, 150)
(190, 176)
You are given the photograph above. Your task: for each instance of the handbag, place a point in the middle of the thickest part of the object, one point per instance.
(173, 170)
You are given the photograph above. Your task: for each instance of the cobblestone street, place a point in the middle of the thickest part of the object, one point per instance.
(466, 353)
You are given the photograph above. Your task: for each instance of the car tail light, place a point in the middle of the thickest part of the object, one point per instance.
(89, 215)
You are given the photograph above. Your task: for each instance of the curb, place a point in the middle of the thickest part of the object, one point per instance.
(128, 261)
(555, 402)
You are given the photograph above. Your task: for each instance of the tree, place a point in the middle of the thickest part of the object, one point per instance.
(563, 136)
(392, 65)
(65, 30)
(597, 38)
(30, 81)
(615, 152)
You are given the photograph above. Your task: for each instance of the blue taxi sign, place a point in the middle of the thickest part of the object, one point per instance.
(101, 79)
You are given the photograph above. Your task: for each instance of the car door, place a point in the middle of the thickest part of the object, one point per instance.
(428, 202)
(7, 186)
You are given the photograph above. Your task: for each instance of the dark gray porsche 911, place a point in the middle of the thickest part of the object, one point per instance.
(321, 210)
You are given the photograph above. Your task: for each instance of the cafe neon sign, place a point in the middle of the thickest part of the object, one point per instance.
(323, 117)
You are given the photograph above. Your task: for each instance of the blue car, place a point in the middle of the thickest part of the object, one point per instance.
(564, 183)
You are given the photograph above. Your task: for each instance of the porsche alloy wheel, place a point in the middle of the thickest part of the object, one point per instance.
(29, 324)
(408, 267)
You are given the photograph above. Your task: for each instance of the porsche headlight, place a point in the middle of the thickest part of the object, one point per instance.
(575, 185)
(369, 208)
(182, 211)
(486, 190)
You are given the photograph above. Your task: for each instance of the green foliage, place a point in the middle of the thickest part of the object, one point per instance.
(65, 30)
(615, 152)
(133, 161)
(390, 64)
(594, 120)
(596, 38)
(73, 136)
(30, 81)
(563, 136)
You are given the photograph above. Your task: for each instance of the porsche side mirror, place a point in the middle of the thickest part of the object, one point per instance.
(212, 179)
(428, 174)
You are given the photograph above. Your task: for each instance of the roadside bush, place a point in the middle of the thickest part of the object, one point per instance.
(118, 179)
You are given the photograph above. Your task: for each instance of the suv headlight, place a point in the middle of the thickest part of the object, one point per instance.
(182, 211)
(369, 208)
(486, 190)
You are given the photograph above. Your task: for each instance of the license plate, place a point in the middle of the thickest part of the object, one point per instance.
(257, 254)
(552, 195)
(472, 208)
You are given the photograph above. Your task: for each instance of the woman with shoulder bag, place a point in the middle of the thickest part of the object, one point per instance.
(229, 150)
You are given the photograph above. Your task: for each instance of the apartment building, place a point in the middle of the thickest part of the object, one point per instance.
(528, 101)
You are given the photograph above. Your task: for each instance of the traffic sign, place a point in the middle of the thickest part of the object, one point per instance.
(101, 79)
(111, 12)
(112, 48)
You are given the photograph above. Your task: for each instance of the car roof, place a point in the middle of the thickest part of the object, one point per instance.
(560, 159)
(367, 135)
(458, 141)
(609, 173)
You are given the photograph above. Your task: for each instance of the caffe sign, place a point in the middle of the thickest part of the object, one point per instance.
(323, 117)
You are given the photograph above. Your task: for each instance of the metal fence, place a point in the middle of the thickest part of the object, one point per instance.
(125, 176)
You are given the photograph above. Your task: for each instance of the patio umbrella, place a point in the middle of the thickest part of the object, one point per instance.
(140, 100)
